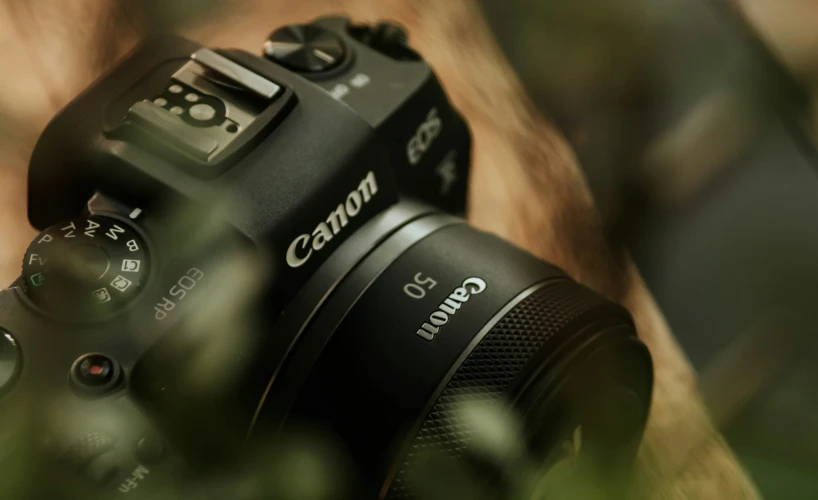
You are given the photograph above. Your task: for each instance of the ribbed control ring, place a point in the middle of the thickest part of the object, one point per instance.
(548, 317)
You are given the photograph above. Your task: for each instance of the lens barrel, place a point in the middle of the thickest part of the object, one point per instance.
(439, 317)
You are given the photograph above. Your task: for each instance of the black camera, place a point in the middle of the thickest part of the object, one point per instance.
(242, 256)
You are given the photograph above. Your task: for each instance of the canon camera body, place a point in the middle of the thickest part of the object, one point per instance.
(245, 259)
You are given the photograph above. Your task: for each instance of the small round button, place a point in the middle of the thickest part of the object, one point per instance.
(9, 360)
(202, 112)
(104, 469)
(95, 374)
(305, 48)
(150, 450)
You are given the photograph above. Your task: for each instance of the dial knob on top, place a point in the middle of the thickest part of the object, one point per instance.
(305, 48)
(85, 268)
(388, 38)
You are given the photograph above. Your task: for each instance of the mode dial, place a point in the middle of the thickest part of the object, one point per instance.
(85, 268)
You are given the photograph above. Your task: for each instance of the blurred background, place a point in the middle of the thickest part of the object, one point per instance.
(693, 122)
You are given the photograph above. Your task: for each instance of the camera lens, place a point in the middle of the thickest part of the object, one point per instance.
(440, 318)
(410, 331)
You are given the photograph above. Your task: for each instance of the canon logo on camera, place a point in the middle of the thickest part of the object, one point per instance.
(302, 248)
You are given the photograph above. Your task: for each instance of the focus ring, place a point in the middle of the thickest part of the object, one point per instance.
(544, 317)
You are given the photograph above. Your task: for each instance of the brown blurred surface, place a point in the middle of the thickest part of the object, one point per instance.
(691, 136)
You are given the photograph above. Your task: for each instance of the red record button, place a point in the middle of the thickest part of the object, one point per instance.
(95, 374)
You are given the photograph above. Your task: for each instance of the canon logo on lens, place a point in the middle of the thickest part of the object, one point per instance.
(302, 248)
(450, 306)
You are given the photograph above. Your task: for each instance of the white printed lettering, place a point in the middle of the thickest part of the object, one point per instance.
(339, 91)
(321, 235)
(114, 232)
(121, 283)
(449, 307)
(360, 80)
(91, 229)
(300, 243)
(424, 136)
(131, 266)
(70, 228)
(417, 290)
(178, 291)
(303, 247)
(338, 219)
(354, 204)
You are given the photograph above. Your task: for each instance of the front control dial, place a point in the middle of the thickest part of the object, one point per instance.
(86, 268)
